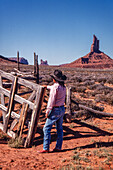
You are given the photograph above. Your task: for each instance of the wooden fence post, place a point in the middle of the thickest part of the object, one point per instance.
(18, 60)
(68, 103)
(37, 70)
(34, 63)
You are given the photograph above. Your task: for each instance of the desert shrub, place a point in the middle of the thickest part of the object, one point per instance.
(85, 113)
(89, 168)
(78, 79)
(15, 143)
(69, 82)
(83, 95)
(67, 167)
(90, 93)
(76, 157)
(92, 105)
(74, 107)
(110, 81)
(86, 159)
(107, 90)
(80, 113)
(100, 87)
(101, 90)
(88, 82)
(77, 88)
(72, 77)
(94, 93)
(99, 97)
(109, 99)
(106, 98)
(102, 79)
(81, 89)
(3, 136)
(94, 86)
(86, 78)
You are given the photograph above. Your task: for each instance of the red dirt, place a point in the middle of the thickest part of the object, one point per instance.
(86, 144)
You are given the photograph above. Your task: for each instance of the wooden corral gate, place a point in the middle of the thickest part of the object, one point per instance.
(12, 122)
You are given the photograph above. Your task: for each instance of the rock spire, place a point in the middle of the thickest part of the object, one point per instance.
(95, 44)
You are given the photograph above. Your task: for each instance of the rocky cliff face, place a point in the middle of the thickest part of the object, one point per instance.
(94, 59)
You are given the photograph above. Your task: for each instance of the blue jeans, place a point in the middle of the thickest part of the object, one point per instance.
(55, 116)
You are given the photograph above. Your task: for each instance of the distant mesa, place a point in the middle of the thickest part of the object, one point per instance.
(21, 60)
(94, 59)
(42, 62)
(6, 60)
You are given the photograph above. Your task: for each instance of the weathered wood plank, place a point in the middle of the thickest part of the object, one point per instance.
(4, 91)
(17, 97)
(32, 96)
(24, 118)
(11, 134)
(23, 73)
(1, 126)
(10, 106)
(13, 124)
(2, 100)
(7, 75)
(13, 114)
(35, 116)
(21, 117)
(7, 85)
(21, 81)
(27, 83)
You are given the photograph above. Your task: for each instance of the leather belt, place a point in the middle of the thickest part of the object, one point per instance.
(58, 106)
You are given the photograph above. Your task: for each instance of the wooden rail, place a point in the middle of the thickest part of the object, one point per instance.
(69, 101)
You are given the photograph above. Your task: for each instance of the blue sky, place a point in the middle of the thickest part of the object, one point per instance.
(59, 31)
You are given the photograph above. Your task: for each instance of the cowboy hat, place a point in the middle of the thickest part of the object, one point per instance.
(58, 76)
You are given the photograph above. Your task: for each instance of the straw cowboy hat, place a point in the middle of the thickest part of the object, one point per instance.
(58, 76)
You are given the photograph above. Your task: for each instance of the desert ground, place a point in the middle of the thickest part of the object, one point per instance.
(88, 138)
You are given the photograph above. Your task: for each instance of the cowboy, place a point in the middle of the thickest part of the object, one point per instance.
(55, 111)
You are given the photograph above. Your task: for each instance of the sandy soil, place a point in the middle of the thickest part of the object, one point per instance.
(87, 144)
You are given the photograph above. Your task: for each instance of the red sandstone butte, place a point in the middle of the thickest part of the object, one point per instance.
(94, 59)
